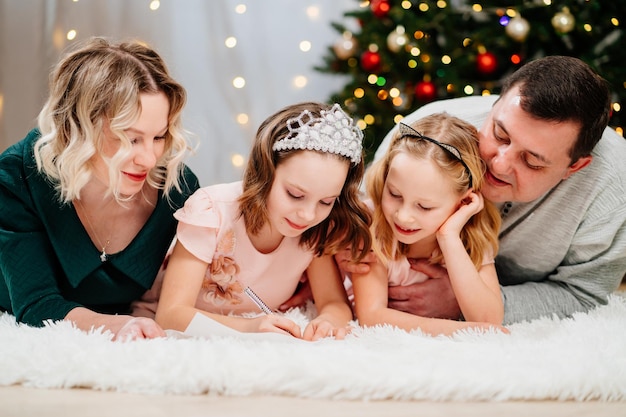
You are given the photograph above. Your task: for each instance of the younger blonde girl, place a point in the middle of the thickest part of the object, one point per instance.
(426, 201)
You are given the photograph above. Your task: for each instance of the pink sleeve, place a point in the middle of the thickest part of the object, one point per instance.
(198, 225)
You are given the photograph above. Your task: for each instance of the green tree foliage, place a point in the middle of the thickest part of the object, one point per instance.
(398, 55)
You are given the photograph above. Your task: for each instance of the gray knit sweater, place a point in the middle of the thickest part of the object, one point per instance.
(566, 251)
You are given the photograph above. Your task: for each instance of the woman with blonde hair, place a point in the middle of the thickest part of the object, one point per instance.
(88, 197)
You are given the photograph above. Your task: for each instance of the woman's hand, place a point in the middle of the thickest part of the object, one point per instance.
(139, 328)
(123, 327)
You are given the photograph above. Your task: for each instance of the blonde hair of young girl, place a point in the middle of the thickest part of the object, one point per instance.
(347, 224)
(480, 234)
(99, 83)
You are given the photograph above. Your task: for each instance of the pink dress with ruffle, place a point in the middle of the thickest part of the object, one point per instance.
(211, 229)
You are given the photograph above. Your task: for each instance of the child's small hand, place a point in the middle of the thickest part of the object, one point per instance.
(320, 328)
(486, 326)
(481, 325)
(274, 323)
(470, 206)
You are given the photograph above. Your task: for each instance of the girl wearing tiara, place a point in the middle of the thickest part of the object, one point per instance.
(297, 205)
(426, 203)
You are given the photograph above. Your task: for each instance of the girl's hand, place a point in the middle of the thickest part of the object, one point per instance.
(320, 328)
(274, 323)
(471, 205)
(485, 326)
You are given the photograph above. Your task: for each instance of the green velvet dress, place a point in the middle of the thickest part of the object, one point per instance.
(48, 263)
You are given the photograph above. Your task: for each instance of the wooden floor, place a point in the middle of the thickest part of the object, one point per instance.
(36, 402)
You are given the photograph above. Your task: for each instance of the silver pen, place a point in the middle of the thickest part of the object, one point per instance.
(257, 300)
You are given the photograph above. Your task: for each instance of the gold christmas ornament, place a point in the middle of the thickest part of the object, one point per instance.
(518, 28)
(346, 46)
(563, 21)
(397, 39)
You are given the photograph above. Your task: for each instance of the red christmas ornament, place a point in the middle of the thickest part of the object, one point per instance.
(486, 63)
(370, 61)
(425, 91)
(380, 8)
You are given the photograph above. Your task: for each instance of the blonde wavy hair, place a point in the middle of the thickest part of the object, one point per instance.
(97, 84)
(480, 234)
(349, 219)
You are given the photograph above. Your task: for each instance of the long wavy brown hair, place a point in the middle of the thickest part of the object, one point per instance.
(348, 222)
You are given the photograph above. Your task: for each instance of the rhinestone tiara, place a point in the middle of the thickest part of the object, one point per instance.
(333, 132)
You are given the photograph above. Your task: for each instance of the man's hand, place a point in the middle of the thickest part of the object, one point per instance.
(431, 298)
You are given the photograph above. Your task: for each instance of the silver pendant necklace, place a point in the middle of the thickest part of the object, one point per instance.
(104, 256)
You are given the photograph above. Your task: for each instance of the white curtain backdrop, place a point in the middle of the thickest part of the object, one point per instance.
(190, 35)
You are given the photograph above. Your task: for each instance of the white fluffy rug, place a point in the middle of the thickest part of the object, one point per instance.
(582, 358)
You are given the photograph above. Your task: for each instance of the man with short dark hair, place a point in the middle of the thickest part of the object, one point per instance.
(558, 175)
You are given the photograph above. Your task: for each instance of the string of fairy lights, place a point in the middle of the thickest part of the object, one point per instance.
(410, 42)
(400, 38)
(230, 41)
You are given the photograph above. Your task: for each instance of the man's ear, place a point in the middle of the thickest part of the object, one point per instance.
(578, 165)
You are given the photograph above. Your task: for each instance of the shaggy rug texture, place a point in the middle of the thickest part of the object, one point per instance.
(581, 358)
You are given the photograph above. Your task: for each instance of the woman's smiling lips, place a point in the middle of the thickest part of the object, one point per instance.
(136, 177)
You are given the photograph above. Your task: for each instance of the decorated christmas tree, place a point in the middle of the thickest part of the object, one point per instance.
(406, 53)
